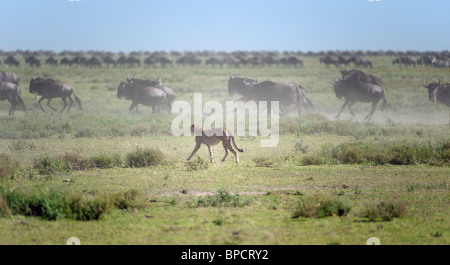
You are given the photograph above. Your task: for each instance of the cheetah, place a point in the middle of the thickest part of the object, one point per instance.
(216, 136)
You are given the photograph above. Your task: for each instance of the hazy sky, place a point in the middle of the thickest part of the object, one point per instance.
(224, 25)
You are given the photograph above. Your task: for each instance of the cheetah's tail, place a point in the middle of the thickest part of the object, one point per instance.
(235, 145)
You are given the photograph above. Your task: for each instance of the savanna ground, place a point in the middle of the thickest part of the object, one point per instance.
(326, 182)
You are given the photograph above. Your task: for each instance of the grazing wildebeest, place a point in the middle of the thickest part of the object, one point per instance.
(361, 76)
(9, 77)
(145, 95)
(439, 92)
(93, 62)
(327, 60)
(360, 61)
(33, 61)
(51, 61)
(170, 94)
(11, 92)
(164, 61)
(109, 60)
(11, 60)
(355, 90)
(214, 61)
(49, 89)
(285, 94)
(131, 61)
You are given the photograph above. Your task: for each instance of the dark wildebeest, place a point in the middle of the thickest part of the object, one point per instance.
(93, 62)
(49, 89)
(214, 61)
(327, 60)
(170, 94)
(9, 77)
(285, 94)
(164, 61)
(11, 60)
(11, 92)
(361, 76)
(33, 61)
(439, 92)
(51, 61)
(355, 90)
(358, 61)
(131, 61)
(109, 60)
(145, 95)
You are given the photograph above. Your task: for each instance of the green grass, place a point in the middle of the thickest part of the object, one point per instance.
(345, 170)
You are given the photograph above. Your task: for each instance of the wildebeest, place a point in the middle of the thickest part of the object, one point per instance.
(94, 62)
(355, 90)
(9, 77)
(361, 76)
(51, 61)
(327, 60)
(215, 61)
(139, 94)
(285, 94)
(405, 61)
(33, 61)
(358, 61)
(49, 89)
(439, 92)
(11, 92)
(11, 60)
(170, 94)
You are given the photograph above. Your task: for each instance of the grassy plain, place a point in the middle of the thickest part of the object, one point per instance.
(270, 182)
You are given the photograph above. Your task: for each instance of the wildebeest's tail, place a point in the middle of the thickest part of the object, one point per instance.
(384, 100)
(302, 99)
(77, 99)
(21, 103)
(235, 145)
(20, 100)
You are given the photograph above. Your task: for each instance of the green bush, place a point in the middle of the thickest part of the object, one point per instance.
(106, 161)
(319, 206)
(51, 165)
(199, 163)
(313, 160)
(221, 198)
(75, 161)
(7, 166)
(263, 161)
(144, 157)
(54, 205)
(383, 211)
(4, 208)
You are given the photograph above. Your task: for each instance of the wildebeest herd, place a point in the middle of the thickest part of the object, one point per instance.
(355, 85)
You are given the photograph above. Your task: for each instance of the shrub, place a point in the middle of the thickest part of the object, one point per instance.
(199, 163)
(7, 167)
(54, 205)
(106, 161)
(312, 160)
(384, 211)
(144, 157)
(4, 208)
(50, 165)
(320, 206)
(263, 161)
(221, 198)
(75, 161)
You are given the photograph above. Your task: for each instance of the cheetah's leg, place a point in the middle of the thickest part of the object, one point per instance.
(211, 154)
(234, 153)
(194, 151)
(226, 151)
